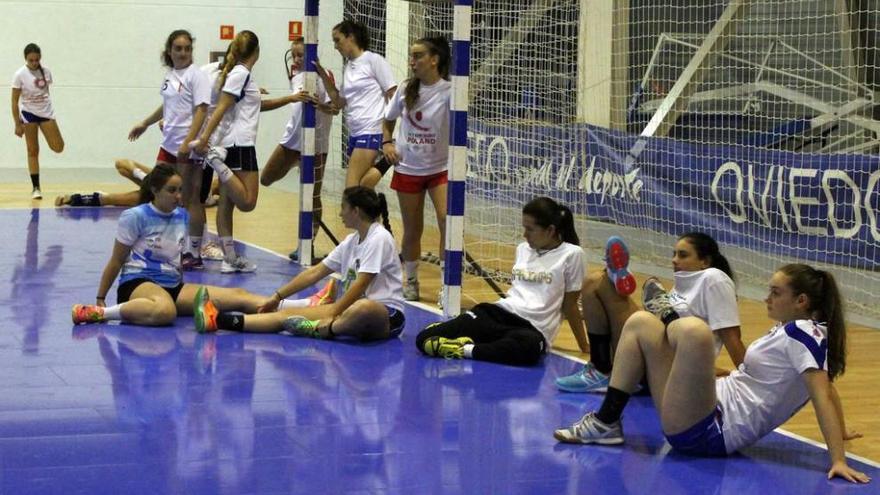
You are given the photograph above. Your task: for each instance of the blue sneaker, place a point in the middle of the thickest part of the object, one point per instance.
(587, 380)
(616, 265)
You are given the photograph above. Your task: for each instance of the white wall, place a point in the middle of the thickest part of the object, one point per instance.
(105, 60)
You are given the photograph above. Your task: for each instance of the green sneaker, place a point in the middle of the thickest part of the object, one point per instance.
(302, 327)
(446, 348)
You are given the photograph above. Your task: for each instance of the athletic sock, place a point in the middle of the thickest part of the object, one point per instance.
(600, 352)
(224, 173)
(35, 180)
(113, 312)
(612, 406)
(139, 174)
(412, 269)
(230, 321)
(293, 303)
(228, 244)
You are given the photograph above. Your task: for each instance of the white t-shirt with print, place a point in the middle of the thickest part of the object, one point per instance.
(244, 117)
(182, 91)
(156, 240)
(540, 281)
(376, 254)
(708, 294)
(292, 138)
(423, 136)
(364, 82)
(34, 91)
(768, 388)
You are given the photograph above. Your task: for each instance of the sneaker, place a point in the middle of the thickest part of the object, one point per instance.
(211, 251)
(446, 348)
(302, 327)
(616, 263)
(590, 430)
(188, 262)
(204, 311)
(326, 295)
(36, 194)
(214, 156)
(86, 313)
(411, 289)
(294, 256)
(239, 264)
(212, 201)
(656, 300)
(587, 380)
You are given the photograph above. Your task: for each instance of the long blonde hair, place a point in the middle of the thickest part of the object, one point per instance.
(241, 48)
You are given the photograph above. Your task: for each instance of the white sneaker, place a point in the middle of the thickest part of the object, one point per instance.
(212, 252)
(214, 156)
(238, 265)
(36, 194)
(411, 289)
(590, 430)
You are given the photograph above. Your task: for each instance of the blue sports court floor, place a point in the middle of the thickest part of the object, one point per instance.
(125, 410)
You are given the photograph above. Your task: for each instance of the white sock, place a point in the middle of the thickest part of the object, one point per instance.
(228, 244)
(468, 351)
(293, 303)
(139, 174)
(412, 269)
(113, 312)
(195, 243)
(223, 172)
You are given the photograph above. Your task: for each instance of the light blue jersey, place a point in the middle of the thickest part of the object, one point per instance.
(156, 239)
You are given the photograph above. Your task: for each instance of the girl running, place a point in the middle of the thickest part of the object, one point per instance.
(419, 159)
(703, 288)
(147, 251)
(32, 112)
(547, 277)
(186, 94)
(371, 306)
(367, 84)
(708, 416)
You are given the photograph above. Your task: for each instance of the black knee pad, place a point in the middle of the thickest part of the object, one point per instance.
(382, 165)
(93, 199)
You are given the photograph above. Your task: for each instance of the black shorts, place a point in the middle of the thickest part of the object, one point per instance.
(242, 158)
(124, 291)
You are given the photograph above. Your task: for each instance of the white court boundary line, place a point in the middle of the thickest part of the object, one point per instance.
(432, 309)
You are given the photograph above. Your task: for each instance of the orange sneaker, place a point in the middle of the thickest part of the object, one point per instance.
(327, 295)
(86, 313)
(204, 311)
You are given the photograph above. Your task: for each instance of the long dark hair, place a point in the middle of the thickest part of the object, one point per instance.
(166, 57)
(707, 248)
(439, 47)
(373, 205)
(359, 31)
(826, 306)
(240, 48)
(34, 48)
(155, 180)
(547, 212)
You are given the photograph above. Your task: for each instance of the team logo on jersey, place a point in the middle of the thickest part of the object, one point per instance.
(418, 116)
(40, 83)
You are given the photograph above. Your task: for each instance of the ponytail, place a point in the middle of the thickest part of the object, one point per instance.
(547, 212)
(826, 305)
(372, 205)
(155, 180)
(242, 47)
(439, 47)
(707, 248)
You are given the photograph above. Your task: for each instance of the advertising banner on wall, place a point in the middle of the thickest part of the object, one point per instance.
(815, 207)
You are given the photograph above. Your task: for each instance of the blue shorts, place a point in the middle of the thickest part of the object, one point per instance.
(29, 118)
(397, 322)
(705, 438)
(365, 141)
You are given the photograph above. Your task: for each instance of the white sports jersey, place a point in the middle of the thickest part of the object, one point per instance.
(293, 131)
(156, 240)
(364, 82)
(376, 254)
(182, 91)
(212, 72)
(34, 91)
(423, 136)
(708, 294)
(768, 388)
(244, 118)
(540, 281)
